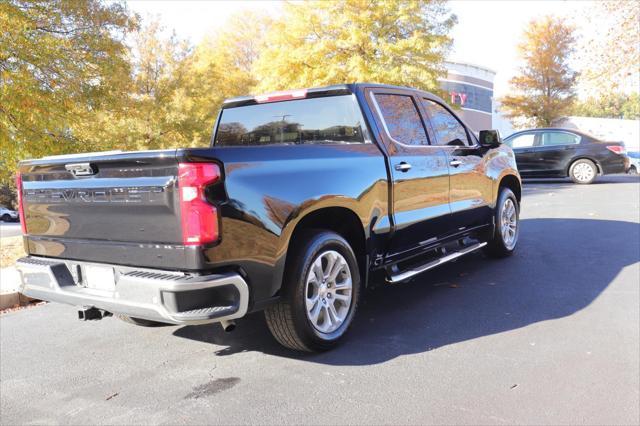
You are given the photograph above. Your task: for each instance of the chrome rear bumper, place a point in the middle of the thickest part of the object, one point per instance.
(157, 295)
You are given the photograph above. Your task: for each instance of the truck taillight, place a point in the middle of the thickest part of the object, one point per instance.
(23, 222)
(617, 149)
(199, 217)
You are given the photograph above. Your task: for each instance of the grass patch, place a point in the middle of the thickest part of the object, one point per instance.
(11, 249)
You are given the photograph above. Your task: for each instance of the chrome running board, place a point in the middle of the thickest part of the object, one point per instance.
(430, 265)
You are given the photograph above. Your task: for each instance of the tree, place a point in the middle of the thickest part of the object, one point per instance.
(149, 119)
(545, 88)
(610, 50)
(611, 105)
(317, 43)
(59, 62)
(221, 67)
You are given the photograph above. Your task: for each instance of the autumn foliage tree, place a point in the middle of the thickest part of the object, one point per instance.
(610, 50)
(80, 76)
(544, 90)
(60, 62)
(401, 42)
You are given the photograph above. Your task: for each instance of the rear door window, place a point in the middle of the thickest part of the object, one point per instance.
(559, 138)
(448, 129)
(328, 120)
(401, 119)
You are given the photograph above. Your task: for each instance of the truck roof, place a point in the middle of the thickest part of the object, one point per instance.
(337, 89)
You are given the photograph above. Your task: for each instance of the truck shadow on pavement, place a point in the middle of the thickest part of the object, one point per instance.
(560, 267)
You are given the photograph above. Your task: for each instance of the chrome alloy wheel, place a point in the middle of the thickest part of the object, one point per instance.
(583, 172)
(509, 224)
(328, 291)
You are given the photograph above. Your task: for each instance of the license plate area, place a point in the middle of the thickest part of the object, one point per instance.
(99, 278)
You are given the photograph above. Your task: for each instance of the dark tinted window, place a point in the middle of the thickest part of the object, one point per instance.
(559, 138)
(330, 120)
(402, 119)
(449, 131)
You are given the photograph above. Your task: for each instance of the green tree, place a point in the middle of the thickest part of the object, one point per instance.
(316, 43)
(611, 105)
(545, 88)
(60, 61)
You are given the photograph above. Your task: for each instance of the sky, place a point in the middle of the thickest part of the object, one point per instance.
(487, 32)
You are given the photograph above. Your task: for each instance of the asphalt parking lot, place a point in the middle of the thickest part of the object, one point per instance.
(10, 229)
(549, 336)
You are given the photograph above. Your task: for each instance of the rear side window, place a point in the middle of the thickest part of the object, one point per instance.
(522, 141)
(401, 119)
(448, 130)
(559, 138)
(330, 120)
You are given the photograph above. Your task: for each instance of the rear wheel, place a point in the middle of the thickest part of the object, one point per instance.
(320, 294)
(633, 170)
(6, 218)
(583, 171)
(140, 322)
(504, 239)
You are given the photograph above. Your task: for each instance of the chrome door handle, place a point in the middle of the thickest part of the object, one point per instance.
(455, 163)
(403, 167)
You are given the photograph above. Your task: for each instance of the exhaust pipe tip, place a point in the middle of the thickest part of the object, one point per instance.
(228, 325)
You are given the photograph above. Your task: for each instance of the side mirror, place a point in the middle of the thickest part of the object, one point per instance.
(490, 138)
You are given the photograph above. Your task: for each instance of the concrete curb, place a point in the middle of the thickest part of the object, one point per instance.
(9, 285)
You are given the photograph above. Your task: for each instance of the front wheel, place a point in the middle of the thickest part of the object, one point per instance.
(6, 218)
(320, 294)
(633, 170)
(504, 239)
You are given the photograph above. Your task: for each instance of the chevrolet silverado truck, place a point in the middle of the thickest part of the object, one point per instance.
(304, 199)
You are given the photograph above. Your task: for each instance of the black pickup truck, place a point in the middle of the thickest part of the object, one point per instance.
(304, 199)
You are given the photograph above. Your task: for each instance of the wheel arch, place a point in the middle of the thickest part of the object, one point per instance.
(583, 157)
(341, 220)
(513, 183)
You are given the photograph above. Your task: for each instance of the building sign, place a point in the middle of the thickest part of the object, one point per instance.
(458, 98)
(468, 96)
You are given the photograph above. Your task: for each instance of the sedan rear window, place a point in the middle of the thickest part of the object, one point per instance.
(328, 120)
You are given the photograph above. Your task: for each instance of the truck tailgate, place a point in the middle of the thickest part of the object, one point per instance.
(120, 208)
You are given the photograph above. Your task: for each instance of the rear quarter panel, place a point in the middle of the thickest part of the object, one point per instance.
(270, 189)
(607, 161)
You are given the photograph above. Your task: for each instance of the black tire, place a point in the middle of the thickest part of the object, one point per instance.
(288, 319)
(496, 245)
(6, 218)
(140, 322)
(579, 178)
(633, 170)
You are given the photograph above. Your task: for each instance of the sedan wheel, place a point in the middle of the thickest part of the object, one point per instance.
(583, 171)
